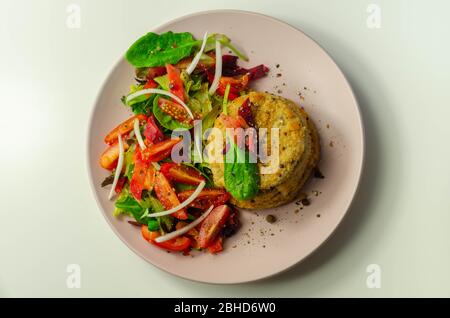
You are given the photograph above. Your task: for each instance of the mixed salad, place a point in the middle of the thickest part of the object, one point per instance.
(179, 79)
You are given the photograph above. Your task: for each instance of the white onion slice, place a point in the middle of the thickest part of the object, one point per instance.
(218, 72)
(118, 169)
(156, 165)
(183, 204)
(197, 57)
(185, 229)
(137, 132)
(161, 92)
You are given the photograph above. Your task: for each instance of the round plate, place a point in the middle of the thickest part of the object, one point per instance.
(301, 71)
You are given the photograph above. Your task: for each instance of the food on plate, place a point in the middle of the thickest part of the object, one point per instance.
(298, 148)
(179, 80)
(185, 201)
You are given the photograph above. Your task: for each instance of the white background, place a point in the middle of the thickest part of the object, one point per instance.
(49, 78)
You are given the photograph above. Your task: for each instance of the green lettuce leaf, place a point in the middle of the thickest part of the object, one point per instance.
(141, 104)
(163, 81)
(241, 175)
(200, 101)
(156, 50)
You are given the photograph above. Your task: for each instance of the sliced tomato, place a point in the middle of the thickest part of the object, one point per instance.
(152, 132)
(204, 194)
(123, 129)
(239, 82)
(174, 110)
(178, 244)
(216, 246)
(108, 158)
(143, 176)
(176, 85)
(159, 151)
(203, 204)
(232, 122)
(206, 198)
(211, 226)
(180, 173)
(166, 194)
(232, 94)
(151, 84)
(193, 233)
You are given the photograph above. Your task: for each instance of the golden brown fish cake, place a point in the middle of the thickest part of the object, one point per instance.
(271, 111)
(292, 187)
(299, 149)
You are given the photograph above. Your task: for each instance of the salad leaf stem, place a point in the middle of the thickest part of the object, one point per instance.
(225, 99)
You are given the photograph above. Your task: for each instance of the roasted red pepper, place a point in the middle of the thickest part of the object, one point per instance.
(180, 173)
(159, 151)
(166, 194)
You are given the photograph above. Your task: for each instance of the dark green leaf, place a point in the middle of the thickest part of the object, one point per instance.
(153, 224)
(156, 50)
(241, 176)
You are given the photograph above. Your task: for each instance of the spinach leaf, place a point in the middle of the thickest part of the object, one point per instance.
(241, 176)
(166, 120)
(156, 50)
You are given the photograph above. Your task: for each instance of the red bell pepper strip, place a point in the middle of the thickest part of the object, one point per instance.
(166, 194)
(181, 173)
